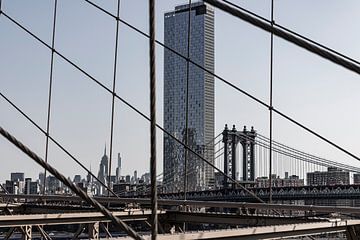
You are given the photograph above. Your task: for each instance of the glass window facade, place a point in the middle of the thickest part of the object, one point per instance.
(200, 96)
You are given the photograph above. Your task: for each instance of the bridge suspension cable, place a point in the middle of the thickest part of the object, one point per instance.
(154, 203)
(264, 142)
(286, 36)
(50, 93)
(117, 222)
(307, 155)
(113, 91)
(271, 101)
(187, 99)
(72, 157)
(143, 115)
(293, 32)
(234, 86)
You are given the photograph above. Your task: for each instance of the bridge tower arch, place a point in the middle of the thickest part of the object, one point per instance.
(231, 139)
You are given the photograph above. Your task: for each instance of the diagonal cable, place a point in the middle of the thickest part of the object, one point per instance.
(236, 87)
(132, 107)
(293, 32)
(56, 143)
(116, 221)
(259, 101)
(286, 36)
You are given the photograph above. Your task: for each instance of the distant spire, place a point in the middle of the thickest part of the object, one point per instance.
(105, 149)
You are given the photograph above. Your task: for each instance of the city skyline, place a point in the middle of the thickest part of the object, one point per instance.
(264, 99)
(294, 87)
(18, 183)
(94, 167)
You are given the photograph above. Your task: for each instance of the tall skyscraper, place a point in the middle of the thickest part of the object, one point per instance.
(103, 171)
(200, 96)
(118, 169)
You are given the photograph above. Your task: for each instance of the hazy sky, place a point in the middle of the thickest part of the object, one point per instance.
(319, 94)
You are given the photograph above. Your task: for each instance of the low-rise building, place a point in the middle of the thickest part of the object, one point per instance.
(333, 176)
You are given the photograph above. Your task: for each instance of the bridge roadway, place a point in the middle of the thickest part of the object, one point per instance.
(170, 217)
(299, 228)
(278, 193)
(273, 226)
(70, 218)
(62, 200)
(351, 227)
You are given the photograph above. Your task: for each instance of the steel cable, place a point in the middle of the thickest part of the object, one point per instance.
(271, 101)
(231, 84)
(50, 94)
(113, 97)
(77, 190)
(56, 143)
(154, 217)
(187, 98)
(286, 36)
(136, 110)
(293, 32)
(290, 149)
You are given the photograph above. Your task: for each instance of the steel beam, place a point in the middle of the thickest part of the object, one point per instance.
(352, 232)
(94, 230)
(217, 204)
(79, 231)
(69, 218)
(27, 234)
(9, 233)
(231, 219)
(43, 233)
(106, 230)
(268, 232)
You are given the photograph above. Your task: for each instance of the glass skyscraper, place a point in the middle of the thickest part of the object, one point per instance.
(200, 96)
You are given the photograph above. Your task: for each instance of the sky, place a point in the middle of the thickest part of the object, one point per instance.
(317, 93)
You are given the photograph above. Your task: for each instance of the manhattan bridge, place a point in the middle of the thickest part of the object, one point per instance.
(244, 202)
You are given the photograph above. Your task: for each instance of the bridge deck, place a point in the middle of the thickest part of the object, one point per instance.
(292, 230)
(70, 218)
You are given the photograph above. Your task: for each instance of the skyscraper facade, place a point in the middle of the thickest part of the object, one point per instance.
(118, 169)
(200, 96)
(103, 172)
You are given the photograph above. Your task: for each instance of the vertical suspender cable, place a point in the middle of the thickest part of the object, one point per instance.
(113, 95)
(271, 100)
(57, 144)
(121, 99)
(187, 100)
(77, 190)
(152, 120)
(50, 93)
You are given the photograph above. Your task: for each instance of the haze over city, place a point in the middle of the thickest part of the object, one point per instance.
(158, 119)
(312, 90)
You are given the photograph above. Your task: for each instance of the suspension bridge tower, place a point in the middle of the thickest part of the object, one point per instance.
(231, 139)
